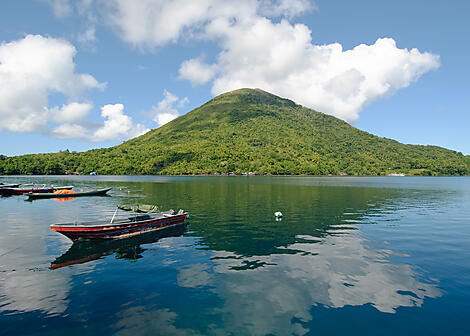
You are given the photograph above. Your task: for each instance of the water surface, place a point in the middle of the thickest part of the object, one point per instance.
(351, 255)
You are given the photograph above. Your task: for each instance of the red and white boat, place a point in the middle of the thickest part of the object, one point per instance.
(122, 228)
(88, 250)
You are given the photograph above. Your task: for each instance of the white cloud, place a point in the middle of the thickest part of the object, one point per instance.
(280, 58)
(164, 118)
(69, 131)
(274, 55)
(116, 124)
(88, 36)
(288, 8)
(31, 69)
(72, 112)
(196, 71)
(165, 110)
(61, 8)
(183, 102)
(155, 23)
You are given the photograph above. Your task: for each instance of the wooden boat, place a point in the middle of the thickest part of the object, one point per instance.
(88, 250)
(15, 185)
(97, 192)
(121, 228)
(31, 189)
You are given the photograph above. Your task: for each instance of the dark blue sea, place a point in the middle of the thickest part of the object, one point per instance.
(350, 256)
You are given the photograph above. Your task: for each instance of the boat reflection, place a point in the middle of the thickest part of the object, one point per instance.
(65, 199)
(84, 251)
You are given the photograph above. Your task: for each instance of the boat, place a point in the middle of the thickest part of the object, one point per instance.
(15, 185)
(84, 251)
(127, 227)
(26, 189)
(58, 194)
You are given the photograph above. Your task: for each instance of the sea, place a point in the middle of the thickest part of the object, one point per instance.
(349, 256)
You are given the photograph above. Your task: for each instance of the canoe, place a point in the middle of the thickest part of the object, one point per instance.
(9, 185)
(35, 190)
(84, 251)
(121, 228)
(97, 192)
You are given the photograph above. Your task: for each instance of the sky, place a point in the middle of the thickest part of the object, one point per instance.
(77, 75)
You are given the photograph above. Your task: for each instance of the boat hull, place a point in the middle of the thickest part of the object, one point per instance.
(119, 230)
(20, 191)
(101, 192)
(15, 191)
(9, 185)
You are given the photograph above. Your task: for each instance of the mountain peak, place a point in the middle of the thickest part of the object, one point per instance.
(252, 96)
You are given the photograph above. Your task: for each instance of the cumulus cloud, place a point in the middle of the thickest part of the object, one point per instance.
(69, 131)
(257, 50)
(155, 23)
(281, 58)
(326, 78)
(165, 111)
(31, 69)
(72, 112)
(196, 71)
(116, 124)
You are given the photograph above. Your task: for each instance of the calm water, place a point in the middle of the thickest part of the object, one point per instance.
(351, 256)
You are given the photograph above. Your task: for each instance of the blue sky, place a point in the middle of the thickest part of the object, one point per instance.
(90, 73)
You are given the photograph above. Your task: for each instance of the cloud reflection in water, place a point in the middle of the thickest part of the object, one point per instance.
(335, 271)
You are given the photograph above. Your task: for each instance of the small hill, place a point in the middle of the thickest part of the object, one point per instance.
(250, 130)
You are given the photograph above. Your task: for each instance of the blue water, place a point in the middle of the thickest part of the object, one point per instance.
(351, 256)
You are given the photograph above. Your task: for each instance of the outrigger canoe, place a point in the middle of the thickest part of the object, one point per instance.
(121, 228)
(98, 192)
(31, 189)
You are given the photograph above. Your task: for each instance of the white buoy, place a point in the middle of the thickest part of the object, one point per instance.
(278, 214)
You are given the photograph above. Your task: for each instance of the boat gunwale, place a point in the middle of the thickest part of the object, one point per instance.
(106, 225)
(97, 192)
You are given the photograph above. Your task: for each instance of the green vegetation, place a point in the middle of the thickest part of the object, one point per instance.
(250, 131)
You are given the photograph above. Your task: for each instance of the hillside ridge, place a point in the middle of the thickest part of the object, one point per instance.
(250, 130)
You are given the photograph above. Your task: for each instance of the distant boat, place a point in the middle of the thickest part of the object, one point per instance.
(122, 228)
(396, 174)
(58, 194)
(7, 191)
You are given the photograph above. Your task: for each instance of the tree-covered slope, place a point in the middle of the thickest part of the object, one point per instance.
(250, 131)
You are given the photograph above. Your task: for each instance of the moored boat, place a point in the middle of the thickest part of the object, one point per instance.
(83, 251)
(13, 185)
(25, 189)
(122, 228)
(97, 192)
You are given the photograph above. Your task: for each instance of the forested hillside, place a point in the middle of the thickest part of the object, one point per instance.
(250, 130)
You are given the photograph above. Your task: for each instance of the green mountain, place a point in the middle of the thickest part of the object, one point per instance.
(250, 131)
